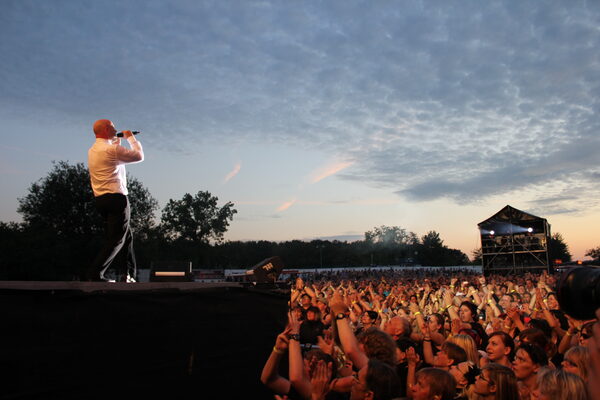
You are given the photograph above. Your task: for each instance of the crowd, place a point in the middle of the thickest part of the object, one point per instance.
(425, 335)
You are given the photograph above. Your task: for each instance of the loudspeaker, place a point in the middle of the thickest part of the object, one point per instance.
(268, 270)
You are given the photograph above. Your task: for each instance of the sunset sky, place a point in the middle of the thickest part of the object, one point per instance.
(319, 119)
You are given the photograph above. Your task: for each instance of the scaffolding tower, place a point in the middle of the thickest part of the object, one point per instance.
(513, 241)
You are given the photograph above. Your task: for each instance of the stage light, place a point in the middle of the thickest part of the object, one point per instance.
(529, 230)
(492, 233)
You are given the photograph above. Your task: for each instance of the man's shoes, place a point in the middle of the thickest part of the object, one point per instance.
(127, 279)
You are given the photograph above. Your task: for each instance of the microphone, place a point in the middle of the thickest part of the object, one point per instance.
(120, 134)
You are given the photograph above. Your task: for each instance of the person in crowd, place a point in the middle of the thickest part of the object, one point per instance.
(496, 382)
(302, 369)
(559, 385)
(576, 361)
(433, 384)
(593, 345)
(435, 323)
(398, 327)
(427, 312)
(468, 315)
(467, 343)
(368, 319)
(500, 349)
(450, 354)
(375, 381)
(529, 359)
(464, 374)
(312, 327)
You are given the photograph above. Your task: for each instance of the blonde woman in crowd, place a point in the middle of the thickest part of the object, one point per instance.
(576, 361)
(556, 384)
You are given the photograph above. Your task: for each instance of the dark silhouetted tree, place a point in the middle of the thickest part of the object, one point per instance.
(196, 218)
(558, 249)
(594, 253)
(477, 256)
(389, 235)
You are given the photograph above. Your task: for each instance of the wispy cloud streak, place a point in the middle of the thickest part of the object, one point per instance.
(329, 170)
(234, 172)
(286, 205)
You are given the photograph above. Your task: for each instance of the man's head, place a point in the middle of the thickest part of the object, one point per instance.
(433, 383)
(450, 354)
(398, 327)
(378, 345)
(104, 129)
(368, 318)
(305, 300)
(376, 381)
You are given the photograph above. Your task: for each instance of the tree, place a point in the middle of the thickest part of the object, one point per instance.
(477, 256)
(434, 252)
(594, 253)
(558, 249)
(432, 240)
(63, 203)
(196, 218)
(389, 235)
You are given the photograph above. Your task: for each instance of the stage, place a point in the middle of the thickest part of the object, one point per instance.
(91, 340)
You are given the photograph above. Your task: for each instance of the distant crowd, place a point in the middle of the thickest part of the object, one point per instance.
(432, 335)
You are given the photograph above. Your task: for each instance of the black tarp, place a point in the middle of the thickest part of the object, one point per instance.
(68, 344)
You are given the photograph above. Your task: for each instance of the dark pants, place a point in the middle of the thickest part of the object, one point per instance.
(115, 210)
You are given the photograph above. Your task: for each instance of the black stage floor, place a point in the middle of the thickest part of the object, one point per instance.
(88, 340)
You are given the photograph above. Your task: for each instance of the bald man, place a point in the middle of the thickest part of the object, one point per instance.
(106, 162)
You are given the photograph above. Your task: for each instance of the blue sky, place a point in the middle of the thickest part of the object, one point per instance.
(319, 118)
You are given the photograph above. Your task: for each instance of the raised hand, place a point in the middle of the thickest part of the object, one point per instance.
(293, 323)
(412, 357)
(337, 304)
(456, 326)
(282, 342)
(326, 345)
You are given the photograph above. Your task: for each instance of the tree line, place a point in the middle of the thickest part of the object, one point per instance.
(62, 231)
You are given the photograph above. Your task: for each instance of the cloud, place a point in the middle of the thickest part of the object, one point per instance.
(431, 100)
(286, 205)
(234, 172)
(329, 170)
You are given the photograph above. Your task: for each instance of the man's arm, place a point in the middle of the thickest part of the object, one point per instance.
(133, 155)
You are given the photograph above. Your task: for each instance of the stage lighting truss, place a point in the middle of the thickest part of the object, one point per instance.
(513, 240)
